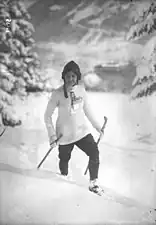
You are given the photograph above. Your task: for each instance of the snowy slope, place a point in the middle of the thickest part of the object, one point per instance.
(127, 151)
(127, 155)
(31, 200)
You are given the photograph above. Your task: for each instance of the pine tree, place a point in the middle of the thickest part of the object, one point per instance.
(19, 63)
(144, 24)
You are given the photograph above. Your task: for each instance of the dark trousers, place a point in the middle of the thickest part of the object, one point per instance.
(87, 145)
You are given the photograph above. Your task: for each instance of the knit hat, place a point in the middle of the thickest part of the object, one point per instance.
(72, 66)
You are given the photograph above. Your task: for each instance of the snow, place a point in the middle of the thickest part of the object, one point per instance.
(127, 168)
(30, 200)
(55, 8)
(148, 49)
(92, 79)
(118, 49)
(87, 11)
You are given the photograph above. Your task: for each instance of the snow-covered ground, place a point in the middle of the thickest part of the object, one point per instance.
(30, 200)
(128, 167)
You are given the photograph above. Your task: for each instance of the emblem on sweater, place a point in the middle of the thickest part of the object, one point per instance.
(75, 101)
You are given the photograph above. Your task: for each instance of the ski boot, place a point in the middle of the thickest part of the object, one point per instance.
(95, 188)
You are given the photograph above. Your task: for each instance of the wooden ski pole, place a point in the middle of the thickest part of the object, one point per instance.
(102, 129)
(3, 132)
(39, 165)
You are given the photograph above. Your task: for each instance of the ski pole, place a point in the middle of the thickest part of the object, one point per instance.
(48, 152)
(2, 132)
(102, 129)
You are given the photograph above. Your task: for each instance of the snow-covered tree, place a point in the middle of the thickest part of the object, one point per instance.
(144, 24)
(19, 63)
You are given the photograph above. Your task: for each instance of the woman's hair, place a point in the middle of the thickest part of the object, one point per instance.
(72, 66)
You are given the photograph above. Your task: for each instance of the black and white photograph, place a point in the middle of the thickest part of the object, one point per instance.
(77, 112)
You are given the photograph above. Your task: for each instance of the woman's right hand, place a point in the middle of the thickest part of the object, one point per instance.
(52, 141)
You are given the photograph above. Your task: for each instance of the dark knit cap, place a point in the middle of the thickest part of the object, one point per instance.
(72, 66)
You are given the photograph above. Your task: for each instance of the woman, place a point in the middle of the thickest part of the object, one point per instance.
(71, 101)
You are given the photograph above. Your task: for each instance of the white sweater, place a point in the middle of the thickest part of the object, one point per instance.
(71, 121)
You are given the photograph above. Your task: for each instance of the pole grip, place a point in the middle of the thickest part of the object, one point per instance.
(39, 165)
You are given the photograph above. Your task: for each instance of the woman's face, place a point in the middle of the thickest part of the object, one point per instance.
(70, 79)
